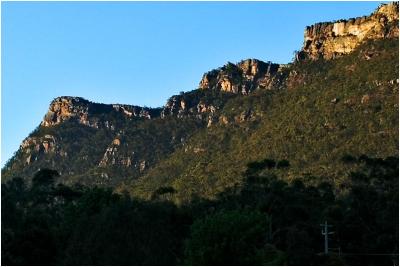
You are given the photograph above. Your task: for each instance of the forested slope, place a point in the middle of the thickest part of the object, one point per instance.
(330, 111)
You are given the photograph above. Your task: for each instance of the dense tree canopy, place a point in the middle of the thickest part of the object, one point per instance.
(265, 222)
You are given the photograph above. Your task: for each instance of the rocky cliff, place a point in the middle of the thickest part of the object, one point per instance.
(66, 107)
(244, 77)
(107, 142)
(329, 40)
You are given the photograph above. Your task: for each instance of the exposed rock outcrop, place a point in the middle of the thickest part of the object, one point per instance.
(206, 105)
(142, 166)
(244, 77)
(63, 108)
(329, 40)
(119, 154)
(134, 111)
(85, 112)
(178, 106)
(35, 147)
(114, 155)
(45, 144)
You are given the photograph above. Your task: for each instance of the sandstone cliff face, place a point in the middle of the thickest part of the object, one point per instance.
(177, 106)
(114, 156)
(66, 107)
(63, 108)
(329, 40)
(243, 77)
(133, 111)
(322, 40)
(34, 148)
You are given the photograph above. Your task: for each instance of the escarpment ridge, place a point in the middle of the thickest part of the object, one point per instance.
(68, 107)
(326, 40)
(105, 144)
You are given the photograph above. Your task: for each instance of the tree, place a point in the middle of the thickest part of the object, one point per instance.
(44, 178)
(227, 238)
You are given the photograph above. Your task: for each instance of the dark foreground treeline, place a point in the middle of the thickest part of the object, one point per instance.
(266, 222)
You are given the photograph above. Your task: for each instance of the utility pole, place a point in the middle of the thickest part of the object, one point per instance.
(325, 233)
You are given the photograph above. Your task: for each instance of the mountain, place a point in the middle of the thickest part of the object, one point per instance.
(253, 163)
(338, 99)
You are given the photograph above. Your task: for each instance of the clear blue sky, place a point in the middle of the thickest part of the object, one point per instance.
(137, 52)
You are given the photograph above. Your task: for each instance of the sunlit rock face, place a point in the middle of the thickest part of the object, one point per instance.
(329, 40)
(115, 155)
(85, 112)
(243, 77)
(63, 108)
(33, 148)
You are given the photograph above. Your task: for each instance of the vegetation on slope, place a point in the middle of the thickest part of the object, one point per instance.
(266, 222)
(329, 109)
(256, 185)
